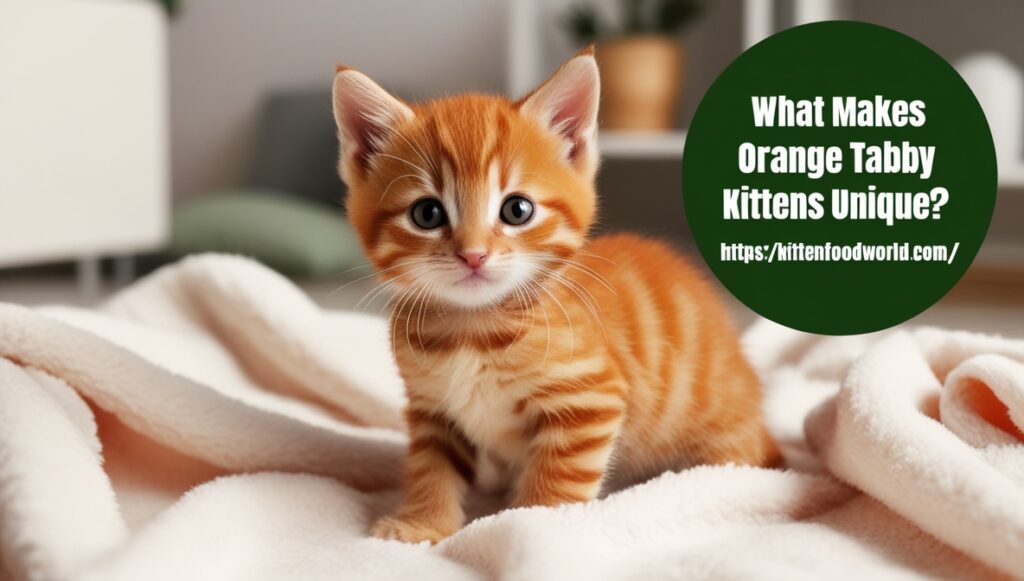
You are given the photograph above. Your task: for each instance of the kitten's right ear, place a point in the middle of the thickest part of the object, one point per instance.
(366, 115)
(567, 104)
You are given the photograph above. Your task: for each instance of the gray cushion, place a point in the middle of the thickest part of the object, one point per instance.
(297, 147)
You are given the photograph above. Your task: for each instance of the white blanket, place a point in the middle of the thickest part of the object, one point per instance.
(212, 423)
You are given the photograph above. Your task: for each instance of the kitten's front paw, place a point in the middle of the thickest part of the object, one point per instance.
(398, 529)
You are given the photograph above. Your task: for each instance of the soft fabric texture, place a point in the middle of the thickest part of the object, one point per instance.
(212, 423)
(286, 232)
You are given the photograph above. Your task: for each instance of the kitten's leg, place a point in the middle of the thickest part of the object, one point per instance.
(749, 444)
(572, 447)
(438, 470)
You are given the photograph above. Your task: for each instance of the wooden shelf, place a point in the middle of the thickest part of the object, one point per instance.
(641, 145)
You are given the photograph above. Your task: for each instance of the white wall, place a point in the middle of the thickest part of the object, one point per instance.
(227, 54)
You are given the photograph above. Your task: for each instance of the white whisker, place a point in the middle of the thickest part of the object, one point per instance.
(586, 270)
(362, 278)
(572, 333)
(405, 161)
(418, 151)
(392, 182)
(589, 301)
(597, 256)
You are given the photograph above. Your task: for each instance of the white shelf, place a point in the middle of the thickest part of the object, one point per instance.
(1012, 177)
(641, 145)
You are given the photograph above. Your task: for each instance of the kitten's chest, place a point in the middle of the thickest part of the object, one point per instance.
(481, 399)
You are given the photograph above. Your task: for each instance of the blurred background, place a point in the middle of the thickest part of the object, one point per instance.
(135, 132)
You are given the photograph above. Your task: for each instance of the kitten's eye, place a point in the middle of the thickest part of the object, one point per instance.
(516, 211)
(429, 214)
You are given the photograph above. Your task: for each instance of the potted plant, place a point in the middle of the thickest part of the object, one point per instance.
(171, 6)
(642, 62)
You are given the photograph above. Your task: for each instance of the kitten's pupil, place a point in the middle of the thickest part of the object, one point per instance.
(516, 211)
(429, 214)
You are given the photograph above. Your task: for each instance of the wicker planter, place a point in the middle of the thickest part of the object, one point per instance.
(641, 80)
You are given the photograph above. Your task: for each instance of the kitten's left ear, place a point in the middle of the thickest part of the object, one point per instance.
(367, 116)
(567, 104)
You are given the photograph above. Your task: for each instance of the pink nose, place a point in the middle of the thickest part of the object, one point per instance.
(473, 258)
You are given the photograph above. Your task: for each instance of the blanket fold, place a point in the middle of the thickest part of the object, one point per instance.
(211, 422)
(882, 433)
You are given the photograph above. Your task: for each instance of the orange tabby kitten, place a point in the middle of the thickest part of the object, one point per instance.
(531, 356)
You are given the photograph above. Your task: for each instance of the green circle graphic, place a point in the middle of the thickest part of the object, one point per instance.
(798, 264)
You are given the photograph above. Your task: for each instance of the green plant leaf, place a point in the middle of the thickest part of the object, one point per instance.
(674, 15)
(171, 6)
(584, 23)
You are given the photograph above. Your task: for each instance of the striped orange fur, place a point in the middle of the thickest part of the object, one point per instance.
(534, 360)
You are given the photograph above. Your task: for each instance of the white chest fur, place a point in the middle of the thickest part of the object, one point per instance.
(479, 400)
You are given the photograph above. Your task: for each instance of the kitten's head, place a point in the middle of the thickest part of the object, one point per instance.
(469, 198)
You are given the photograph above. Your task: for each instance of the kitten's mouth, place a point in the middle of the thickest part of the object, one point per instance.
(473, 279)
(477, 288)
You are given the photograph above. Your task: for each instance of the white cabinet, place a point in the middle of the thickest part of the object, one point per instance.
(83, 129)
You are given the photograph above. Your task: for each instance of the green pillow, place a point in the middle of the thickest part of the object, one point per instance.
(283, 231)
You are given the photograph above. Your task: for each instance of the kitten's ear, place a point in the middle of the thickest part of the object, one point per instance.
(567, 103)
(366, 115)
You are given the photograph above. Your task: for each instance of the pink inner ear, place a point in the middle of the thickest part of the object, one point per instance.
(570, 101)
(572, 116)
(573, 112)
(366, 114)
(365, 135)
